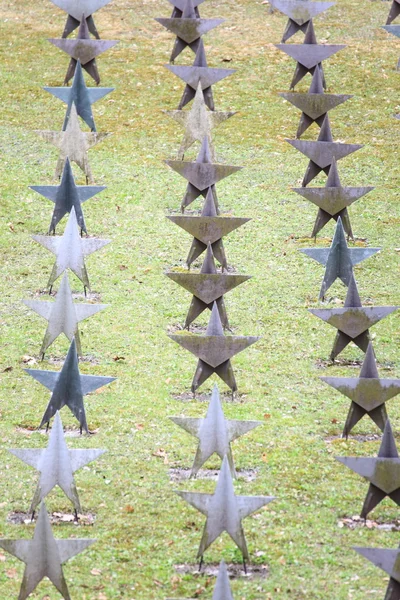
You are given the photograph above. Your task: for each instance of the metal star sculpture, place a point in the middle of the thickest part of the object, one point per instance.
(207, 287)
(382, 472)
(63, 315)
(389, 561)
(352, 321)
(394, 12)
(339, 259)
(322, 152)
(214, 351)
(75, 10)
(179, 6)
(308, 55)
(56, 465)
(367, 393)
(300, 13)
(394, 30)
(70, 250)
(66, 196)
(314, 105)
(84, 49)
(199, 73)
(215, 433)
(188, 28)
(68, 387)
(333, 201)
(224, 511)
(73, 144)
(198, 123)
(80, 95)
(201, 174)
(43, 556)
(208, 229)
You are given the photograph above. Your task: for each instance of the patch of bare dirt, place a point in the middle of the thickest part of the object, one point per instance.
(361, 437)
(68, 431)
(203, 397)
(235, 570)
(181, 474)
(24, 518)
(357, 522)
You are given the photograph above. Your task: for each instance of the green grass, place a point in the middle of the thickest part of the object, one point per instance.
(143, 529)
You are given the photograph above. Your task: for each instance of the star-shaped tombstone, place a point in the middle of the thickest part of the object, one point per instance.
(308, 55)
(63, 315)
(322, 152)
(382, 472)
(188, 28)
(43, 556)
(215, 433)
(315, 105)
(352, 321)
(367, 393)
(394, 30)
(339, 259)
(199, 73)
(80, 95)
(201, 174)
(66, 196)
(73, 144)
(207, 287)
(70, 250)
(224, 511)
(68, 387)
(198, 123)
(75, 10)
(214, 351)
(394, 12)
(56, 465)
(208, 229)
(300, 13)
(333, 201)
(389, 561)
(84, 49)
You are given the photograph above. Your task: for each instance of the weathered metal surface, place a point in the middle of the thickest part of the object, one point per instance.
(66, 196)
(180, 4)
(198, 123)
(73, 144)
(68, 387)
(224, 511)
(394, 12)
(77, 8)
(199, 73)
(332, 201)
(63, 315)
(70, 250)
(387, 560)
(339, 259)
(189, 29)
(382, 472)
(300, 13)
(73, 24)
(43, 556)
(80, 95)
(215, 433)
(214, 351)
(56, 465)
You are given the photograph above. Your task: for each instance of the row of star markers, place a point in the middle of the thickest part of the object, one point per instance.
(44, 554)
(368, 393)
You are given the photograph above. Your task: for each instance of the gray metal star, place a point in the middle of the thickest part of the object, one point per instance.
(63, 315)
(215, 433)
(224, 511)
(75, 9)
(300, 13)
(43, 556)
(56, 465)
(389, 561)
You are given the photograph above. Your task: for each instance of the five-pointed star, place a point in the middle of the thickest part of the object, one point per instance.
(73, 144)
(70, 250)
(80, 95)
(339, 259)
(367, 393)
(43, 556)
(207, 287)
(84, 49)
(63, 315)
(66, 196)
(215, 433)
(388, 561)
(214, 351)
(68, 387)
(300, 13)
(199, 73)
(198, 123)
(56, 465)
(332, 201)
(208, 228)
(322, 152)
(382, 472)
(224, 511)
(353, 320)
